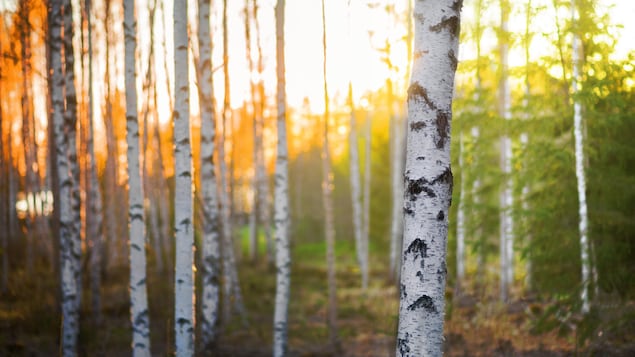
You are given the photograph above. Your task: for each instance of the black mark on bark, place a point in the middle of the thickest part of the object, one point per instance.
(452, 24)
(454, 62)
(443, 125)
(440, 216)
(457, 6)
(402, 345)
(423, 302)
(418, 247)
(418, 126)
(417, 93)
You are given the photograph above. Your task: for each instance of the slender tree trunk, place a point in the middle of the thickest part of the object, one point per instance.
(428, 178)
(460, 221)
(579, 165)
(183, 222)
(211, 229)
(327, 200)
(70, 323)
(366, 190)
(257, 140)
(230, 274)
(95, 199)
(70, 119)
(506, 199)
(362, 256)
(139, 315)
(261, 173)
(281, 203)
(5, 153)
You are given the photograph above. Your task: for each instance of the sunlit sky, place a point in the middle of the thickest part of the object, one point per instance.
(355, 31)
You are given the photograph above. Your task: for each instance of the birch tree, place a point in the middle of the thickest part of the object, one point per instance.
(579, 163)
(95, 199)
(428, 178)
(506, 199)
(139, 314)
(183, 222)
(281, 195)
(356, 194)
(327, 201)
(67, 231)
(230, 275)
(211, 246)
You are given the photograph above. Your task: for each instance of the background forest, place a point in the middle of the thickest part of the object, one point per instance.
(518, 279)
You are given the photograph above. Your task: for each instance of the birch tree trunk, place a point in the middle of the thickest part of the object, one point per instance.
(327, 186)
(362, 256)
(428, 178)
(506, 199)
(261, 174)
(230, 275)
(95, 198)
(139, 315)
(579, 164)
(460, 221)
(183, 222)
(211, 247)
(70, 323)
(281, 203)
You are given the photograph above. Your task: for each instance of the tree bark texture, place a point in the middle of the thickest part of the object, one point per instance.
(211, 229)
(139, 314)
(183, 223)
(281, 203)
(428, 178)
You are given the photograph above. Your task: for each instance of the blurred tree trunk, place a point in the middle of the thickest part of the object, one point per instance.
(506, 198)
(362, 254)
(261, 173)
(366, 186)
(5, 171)
(253, 214)
(327, 200)
(94, 214)
(70, 120)
(460, 221)
(64, 127)
(428, 178)
(110, 174)
(231, 290)
(183, 220)
(211, 229)
(577, 59)
(139, 315)
(396, 162)
(281, 203)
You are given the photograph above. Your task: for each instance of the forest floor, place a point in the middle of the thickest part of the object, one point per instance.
(29, 323)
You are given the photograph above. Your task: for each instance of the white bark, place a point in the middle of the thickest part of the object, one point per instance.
(428, 178)
(579, 164)
(70, 323)
(506, 199)
(327, 201)
(460, 220)
(281, 203)
(183, 223)
(139, 314)
(211, 247)
(362, 255)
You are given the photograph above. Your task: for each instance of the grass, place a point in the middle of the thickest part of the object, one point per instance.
(367, 320)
